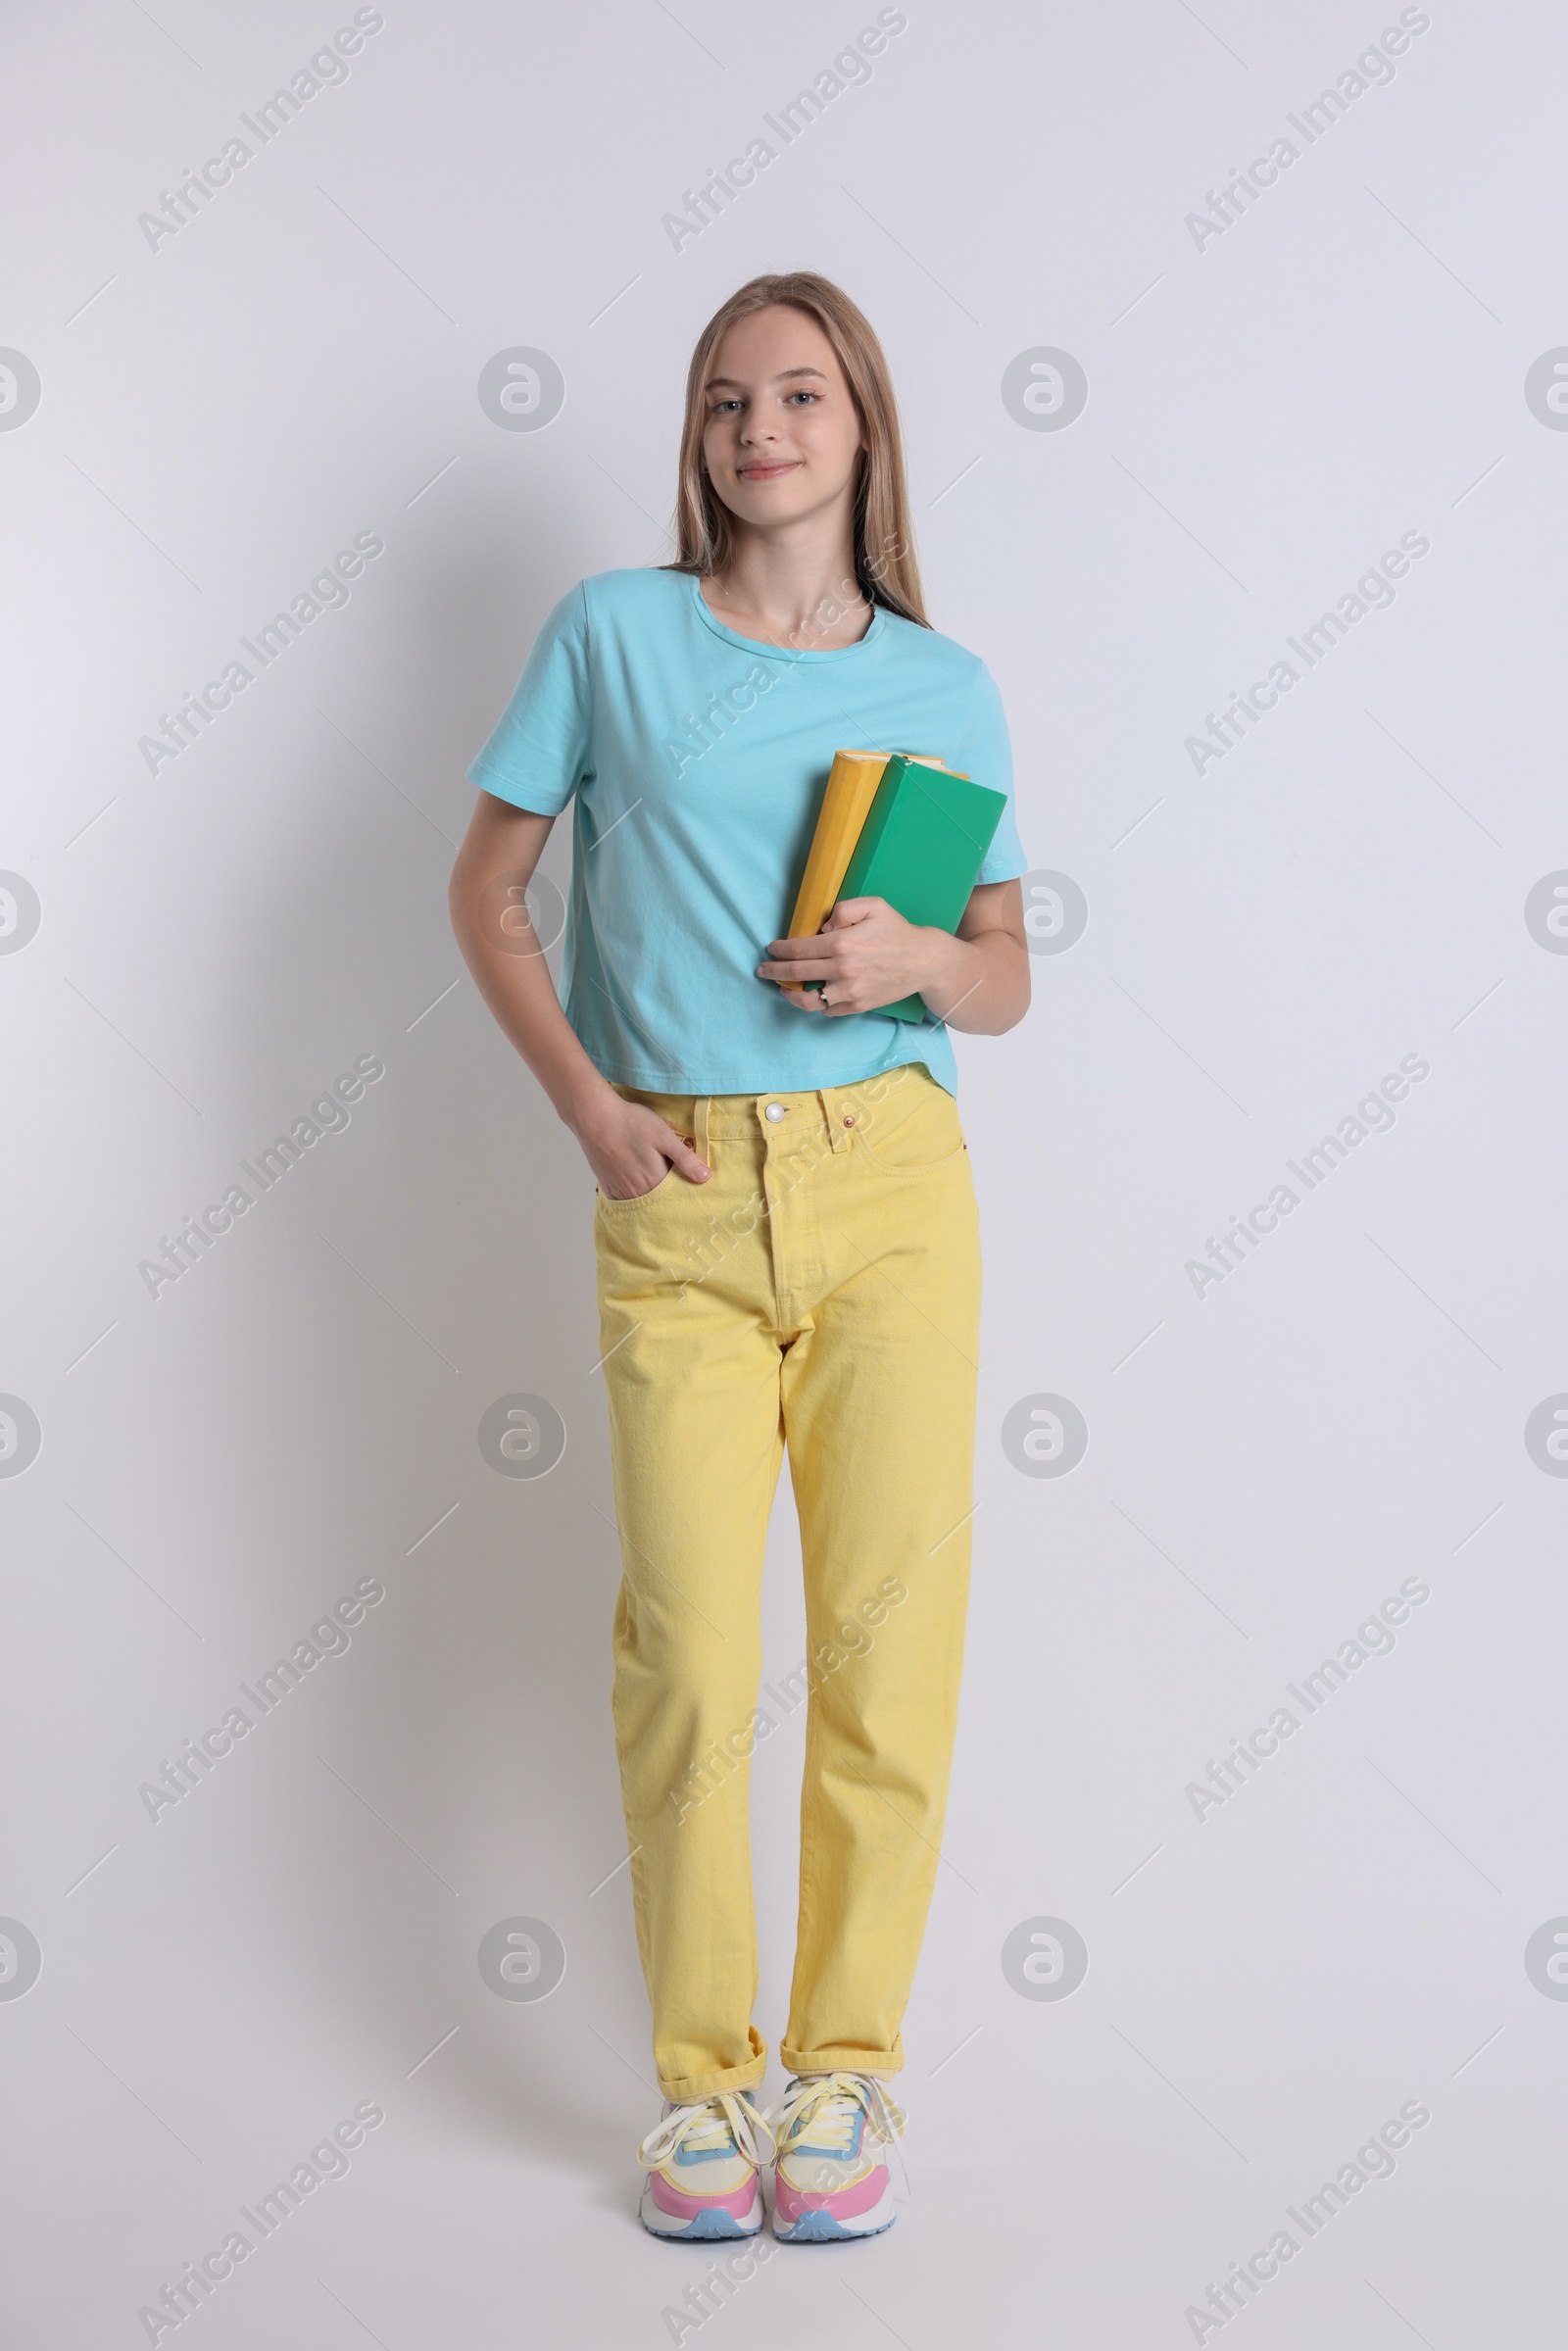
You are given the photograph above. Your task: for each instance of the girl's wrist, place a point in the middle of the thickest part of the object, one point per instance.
(941, 960)
(585, 1104)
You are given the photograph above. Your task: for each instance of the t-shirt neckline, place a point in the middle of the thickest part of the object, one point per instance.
(785, 652)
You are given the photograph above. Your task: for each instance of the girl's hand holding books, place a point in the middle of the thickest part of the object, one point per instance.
(866, 954)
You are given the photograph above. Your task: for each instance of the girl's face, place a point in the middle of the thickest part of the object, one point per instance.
(781, 440)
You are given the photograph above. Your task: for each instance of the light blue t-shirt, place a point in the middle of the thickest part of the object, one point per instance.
(698, 759)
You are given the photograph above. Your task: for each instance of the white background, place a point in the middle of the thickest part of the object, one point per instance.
(1267, 415)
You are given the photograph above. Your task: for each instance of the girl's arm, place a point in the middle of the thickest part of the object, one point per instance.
(869, 955)
(627, 1144)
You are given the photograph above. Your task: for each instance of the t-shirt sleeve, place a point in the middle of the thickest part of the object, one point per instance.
(986, 755)
(538, 755)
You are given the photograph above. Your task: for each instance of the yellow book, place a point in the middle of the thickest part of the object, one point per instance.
(846, 804)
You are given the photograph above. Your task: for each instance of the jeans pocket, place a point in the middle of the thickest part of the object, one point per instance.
(915, 1129)
(615, 1208)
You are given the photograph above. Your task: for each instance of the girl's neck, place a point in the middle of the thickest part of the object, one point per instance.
(783, 590)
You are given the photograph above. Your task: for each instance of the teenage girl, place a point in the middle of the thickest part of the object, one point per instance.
(785, 1226)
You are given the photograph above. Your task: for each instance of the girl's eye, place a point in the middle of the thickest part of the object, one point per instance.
(805, 395)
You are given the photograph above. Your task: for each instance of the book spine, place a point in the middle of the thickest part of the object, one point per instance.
(850, 786)
(876, 825)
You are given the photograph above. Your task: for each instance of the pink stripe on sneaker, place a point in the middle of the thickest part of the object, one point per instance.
(682, 2207)
(843, 2203)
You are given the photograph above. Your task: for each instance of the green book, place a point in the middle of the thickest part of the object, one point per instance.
(921, 848)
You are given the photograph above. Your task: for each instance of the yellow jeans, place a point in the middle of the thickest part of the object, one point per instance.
(821, 1291)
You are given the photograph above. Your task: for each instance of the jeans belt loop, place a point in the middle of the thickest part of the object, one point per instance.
(837, 1133)
(700, 1127)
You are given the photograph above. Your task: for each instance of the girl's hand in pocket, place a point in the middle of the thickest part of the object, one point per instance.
(631, 1148)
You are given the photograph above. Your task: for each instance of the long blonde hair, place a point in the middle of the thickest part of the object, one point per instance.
(885, 567)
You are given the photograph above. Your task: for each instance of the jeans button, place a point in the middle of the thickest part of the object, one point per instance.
(775, 1111)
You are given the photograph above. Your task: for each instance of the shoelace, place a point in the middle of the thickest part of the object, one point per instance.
(705, 2124)
(825, 2108)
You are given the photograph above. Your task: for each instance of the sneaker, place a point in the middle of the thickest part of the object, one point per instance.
(831, 2181)
(702, 2163)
